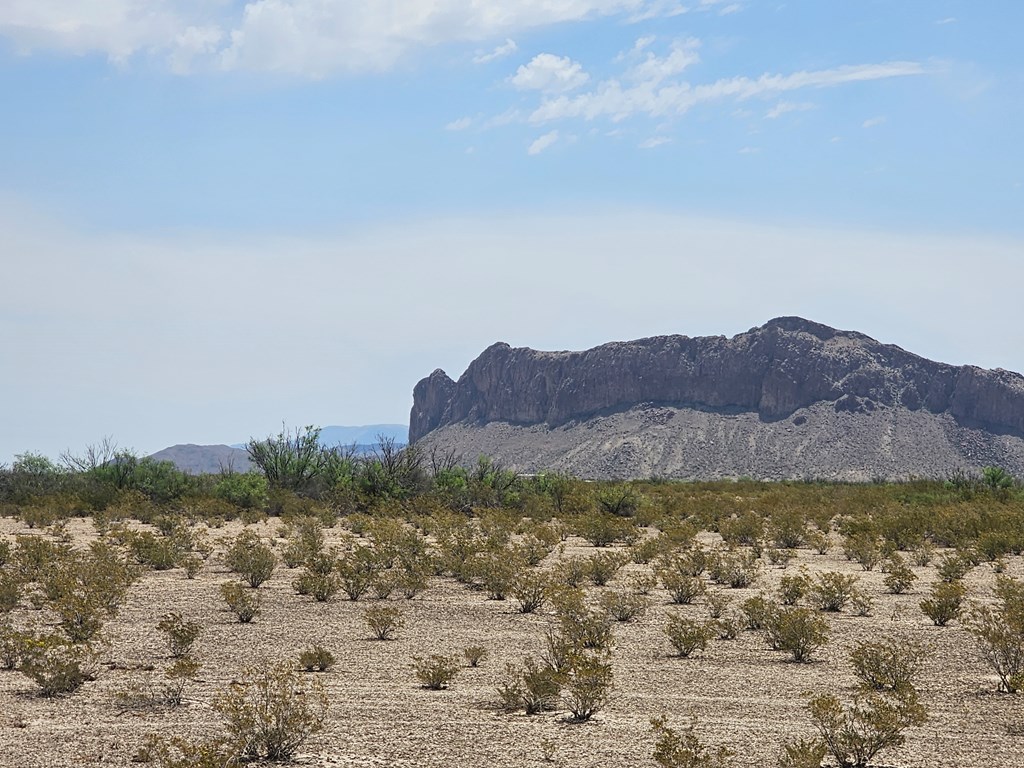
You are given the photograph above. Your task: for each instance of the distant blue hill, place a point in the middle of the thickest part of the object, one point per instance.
(364, 437)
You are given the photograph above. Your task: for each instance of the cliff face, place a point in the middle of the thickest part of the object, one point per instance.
(773, 371)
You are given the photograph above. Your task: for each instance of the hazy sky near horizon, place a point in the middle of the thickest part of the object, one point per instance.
(219, 215)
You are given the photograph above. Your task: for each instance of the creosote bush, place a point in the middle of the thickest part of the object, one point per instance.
(56, 665)
(316, 658)
(999, 634)
(854, 734)
(474, 654)
(688, 635)
(889, 664)
(436, 671)
(945, 603)
(799, 631)
(383, 621)
(832, 591)
(179, 634)
(675, 749)
(244, 603)
(251, 559)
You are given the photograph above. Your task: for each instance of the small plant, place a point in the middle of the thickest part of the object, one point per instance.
(586, 685)
(533, 687)
(682, 588)
(832, 591)
(802, 753)
(245, 604)
(272, 712)
(530, 590)
(1000, 639)
(797, 630)
(793, 588)
(622, 605)
(179, 634)
(688, 635)
(853, 735)
(436, 671)
(717, 603)
(474, 654)
(945, 602)
(900, 577)
(923, 553)
(249, 557)
(757, 611)
(863, 547)
(673, 749)
(316, 658)
(861, 602)
(55, 665)
(889, 664)
(383, 621)
(603, 566)
(953, 567)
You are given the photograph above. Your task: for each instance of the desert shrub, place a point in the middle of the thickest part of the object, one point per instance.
(192, 564)
(945, 602)
(743, 529)
(737, 569)
(799, 631)
(861, 602)
(305, 542)
(622, 605)
(647, 550)
(179, 634)
(787, 528)
(864, 548)
(250, 558)
(272, 712)
(602, 529)
(436, 671)
(717, 603)
(412, 581)
(603, 566)
(688, 635)
(383, 621)
(10, 592)
(80, 614)
(497, 573)
(832, 591)
(642, 583)
(681, 587)
(953, 567)
(889, 664)
(819, 541)
(757, 610)
(160, 553)
(12, 645)
(793, 588)
(899, 577)
(728, 626)
(854, 734)
(673, 749)
(586, 685)
(572, 571)
(245, 604)
(56, 665)
(923, 553)
(322, 587)
(580, 626)
(474, 654)
(316, 658)
(780, 557)
(533, 687)
(356, 571)
(802, 753)
(999, 634)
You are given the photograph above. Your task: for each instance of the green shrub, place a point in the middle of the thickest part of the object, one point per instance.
(586, 685)
(316, 658)
(793, 588)
(953, 567)
(802, 753)
(622, 605)
(180, 634)
(889, 664)
(245, 604)
(797, 630)
(864, 548)
(945, 602)
(383, 621)
(687, 635)
(673, 749)
(757, 611)
(250, 558)
(737, 569)
(436, 671)
(357, 571)
(580, 626)
(853, 735)
(56, 665)
(900, 577)
(474, 654)
(530, 588)
(999, 634)
(717, 602)
(682, 588)
(534, 687)
(272, 712)
(603, 566)
(832, 591)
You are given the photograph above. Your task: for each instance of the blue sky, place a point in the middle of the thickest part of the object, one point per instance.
(221, 215)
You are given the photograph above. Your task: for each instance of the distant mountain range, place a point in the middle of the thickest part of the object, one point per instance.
(199, 459)
(791, 399)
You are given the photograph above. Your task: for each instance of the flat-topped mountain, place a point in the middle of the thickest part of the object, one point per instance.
(791, 398)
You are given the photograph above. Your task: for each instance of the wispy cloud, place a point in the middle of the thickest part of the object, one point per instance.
(655, 97)
(503, 50)
(549, 73)
(782, 107)
(947, 20)
(459, 125)
(542, 143)
(873, 122)
(654, 141)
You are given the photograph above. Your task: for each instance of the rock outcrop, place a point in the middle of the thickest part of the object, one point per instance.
(787, 374)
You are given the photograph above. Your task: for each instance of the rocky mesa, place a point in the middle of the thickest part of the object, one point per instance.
(789, 399)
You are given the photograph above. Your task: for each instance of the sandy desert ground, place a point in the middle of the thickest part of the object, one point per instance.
(739, 693)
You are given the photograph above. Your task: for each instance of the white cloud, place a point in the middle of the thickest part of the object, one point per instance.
(549, 73)
(654, 141)
(947, 20)
(505, 49)
(542, 143)
(653, 69)
(459, 125)
(873, 122)
(611, 99)
(783, 107)
(749, 150)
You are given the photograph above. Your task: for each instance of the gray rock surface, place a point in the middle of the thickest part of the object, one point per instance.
(791, 398)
